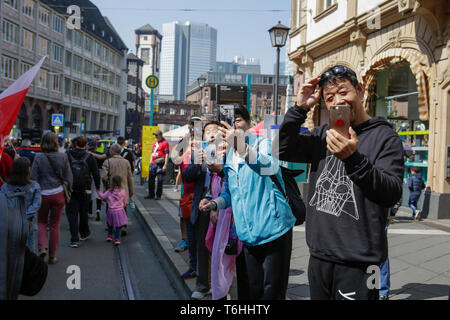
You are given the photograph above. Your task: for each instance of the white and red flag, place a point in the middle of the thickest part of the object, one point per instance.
(11, 100)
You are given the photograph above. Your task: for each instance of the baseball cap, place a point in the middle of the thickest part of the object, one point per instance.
(158, 133)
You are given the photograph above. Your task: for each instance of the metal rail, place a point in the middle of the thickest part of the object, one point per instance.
(126, 287)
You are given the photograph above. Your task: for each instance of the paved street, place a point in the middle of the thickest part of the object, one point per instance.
(98, 261)
(419, 254)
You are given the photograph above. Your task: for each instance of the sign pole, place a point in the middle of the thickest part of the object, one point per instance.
(151, 107)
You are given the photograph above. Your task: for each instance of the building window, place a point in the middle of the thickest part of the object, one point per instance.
(67, 86)
(9, 68)
(12, 3)
(57, 53)
(97, 71)
(43, 46)
(105, 75)
(103, 97)
(173, 111)
(78, 41)
(206, 93)
(44, 16)
(87, 67)
(10, 32)
(86, 92)
(162, 110)
(110, 100)
(68, 59)
(76, 89)
(24, 67)
(77, 63)
(28, 8)
(299, 13)
(43, 79)
(95, 95)
(259, 94)
(57, 24)
(145, 55)
(87, 43)
(97, 49)
(324, 8)
(111, 78)
(104, 53)
(145, 38)
(69, 35)
(56, 82)
(269, 95)
(117, 81)
(183, 112)
(28, 39)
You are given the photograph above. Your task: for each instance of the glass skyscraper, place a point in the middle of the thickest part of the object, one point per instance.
(188, 50)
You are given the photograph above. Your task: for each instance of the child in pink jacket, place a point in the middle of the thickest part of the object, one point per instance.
(116, 216)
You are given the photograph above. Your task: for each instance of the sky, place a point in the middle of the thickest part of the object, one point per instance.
(242, 25)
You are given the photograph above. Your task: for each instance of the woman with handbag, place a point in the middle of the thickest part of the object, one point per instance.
(51, 169)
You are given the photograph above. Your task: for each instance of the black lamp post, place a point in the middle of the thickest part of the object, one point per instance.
(278, 37)
(201, 83)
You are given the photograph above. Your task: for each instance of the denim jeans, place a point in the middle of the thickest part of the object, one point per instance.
(32, 225)
(385, 278)
(155, 172)
(412, 203)
(116, 231)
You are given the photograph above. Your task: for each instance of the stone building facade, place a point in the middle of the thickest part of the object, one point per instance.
(400, 51)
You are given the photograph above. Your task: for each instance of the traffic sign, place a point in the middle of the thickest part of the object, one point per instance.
(152, 82)
(57, 120)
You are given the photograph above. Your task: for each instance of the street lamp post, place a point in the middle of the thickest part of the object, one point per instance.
(278, 36)
(201, 83)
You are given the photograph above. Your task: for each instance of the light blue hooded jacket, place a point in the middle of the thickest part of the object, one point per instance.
(260, 210)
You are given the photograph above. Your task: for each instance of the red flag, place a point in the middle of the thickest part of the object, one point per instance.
(11, 100)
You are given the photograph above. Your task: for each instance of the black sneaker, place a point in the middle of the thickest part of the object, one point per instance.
(158, 198)
(85, 238)
(149, 197)
(74, 245)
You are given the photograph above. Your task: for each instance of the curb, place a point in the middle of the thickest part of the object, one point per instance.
(170, 260)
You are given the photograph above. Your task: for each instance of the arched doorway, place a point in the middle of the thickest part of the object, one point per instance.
(397, 100)
(37, 117)
(22, 118)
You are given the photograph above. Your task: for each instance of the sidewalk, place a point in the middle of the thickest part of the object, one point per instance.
(419, 254)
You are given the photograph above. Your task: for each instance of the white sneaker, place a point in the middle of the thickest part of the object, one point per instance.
(197, 295)
(175, 189)
(418, 212)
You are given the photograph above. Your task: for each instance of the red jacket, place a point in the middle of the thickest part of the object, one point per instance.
(5, 167)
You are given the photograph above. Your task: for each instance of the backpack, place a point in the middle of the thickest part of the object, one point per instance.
(81, 173)
(293, 195)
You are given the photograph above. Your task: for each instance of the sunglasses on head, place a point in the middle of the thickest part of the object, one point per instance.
(335, 71)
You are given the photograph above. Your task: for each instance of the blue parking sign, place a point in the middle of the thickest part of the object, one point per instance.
(57, 120)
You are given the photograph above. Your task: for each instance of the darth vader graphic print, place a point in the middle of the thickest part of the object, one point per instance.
(334, 193)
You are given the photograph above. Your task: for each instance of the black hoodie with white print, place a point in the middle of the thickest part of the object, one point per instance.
(348, 201)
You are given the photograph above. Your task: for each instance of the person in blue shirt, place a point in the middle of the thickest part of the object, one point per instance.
(25, 152)
(262, 216)
(415, 186)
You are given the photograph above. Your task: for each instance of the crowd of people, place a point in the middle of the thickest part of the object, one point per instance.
(235, 215)
(76, 176)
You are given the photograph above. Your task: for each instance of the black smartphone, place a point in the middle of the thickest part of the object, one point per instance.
(226, 113)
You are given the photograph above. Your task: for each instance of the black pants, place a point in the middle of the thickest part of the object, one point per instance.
(98, 205)
(155, 172)
(268, 268)
(203, 254)
(243, 287)
(77, 214)
(332, 281)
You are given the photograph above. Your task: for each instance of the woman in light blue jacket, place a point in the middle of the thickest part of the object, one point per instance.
(262, 216)
(19, 184)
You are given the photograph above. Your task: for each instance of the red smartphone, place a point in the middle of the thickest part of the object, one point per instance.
(340, 119)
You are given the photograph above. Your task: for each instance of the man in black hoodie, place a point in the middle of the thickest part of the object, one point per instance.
(353, 182)
(84, 169)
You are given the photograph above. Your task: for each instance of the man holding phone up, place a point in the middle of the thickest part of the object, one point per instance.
(355, 178)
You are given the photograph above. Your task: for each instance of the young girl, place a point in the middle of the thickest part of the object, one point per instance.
(116, 215)
(19, 183)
